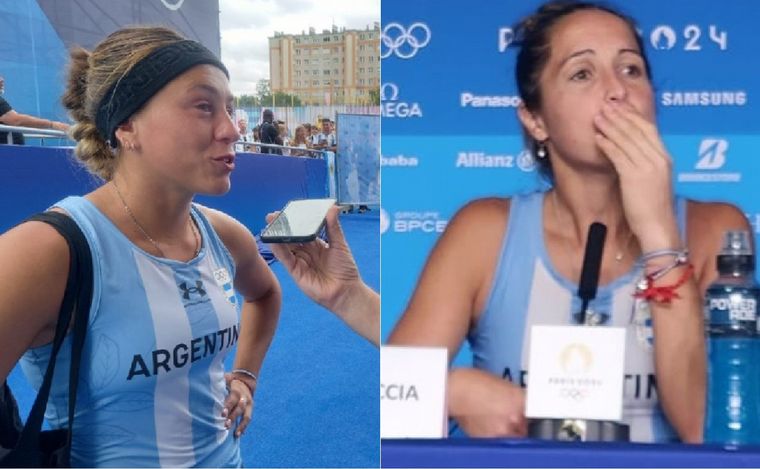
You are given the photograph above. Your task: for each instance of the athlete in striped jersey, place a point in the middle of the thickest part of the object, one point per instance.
(503, 265)
(153, 120)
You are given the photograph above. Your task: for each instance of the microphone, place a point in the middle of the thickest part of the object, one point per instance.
(572, 428)
(592, 263)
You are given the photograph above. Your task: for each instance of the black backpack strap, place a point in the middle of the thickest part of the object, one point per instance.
(76, 299)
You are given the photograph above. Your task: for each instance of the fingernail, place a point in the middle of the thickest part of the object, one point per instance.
(228, 423)
(225, 412)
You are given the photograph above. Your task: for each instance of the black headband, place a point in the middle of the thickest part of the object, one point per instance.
(145, 79)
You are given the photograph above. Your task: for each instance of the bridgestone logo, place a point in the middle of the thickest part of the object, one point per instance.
(709, 177)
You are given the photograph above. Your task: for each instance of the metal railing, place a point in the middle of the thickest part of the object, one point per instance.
(31, 132)
(284, 150)
(42, 134)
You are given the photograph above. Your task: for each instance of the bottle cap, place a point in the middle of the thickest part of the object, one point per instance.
(736, 257)
(736, 243)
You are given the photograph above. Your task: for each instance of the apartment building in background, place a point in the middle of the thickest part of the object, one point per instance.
(337, 66)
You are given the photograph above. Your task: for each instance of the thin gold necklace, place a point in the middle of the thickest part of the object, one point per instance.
(619, 255)
(145, 233)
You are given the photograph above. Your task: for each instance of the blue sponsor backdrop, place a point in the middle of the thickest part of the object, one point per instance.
(450, 132)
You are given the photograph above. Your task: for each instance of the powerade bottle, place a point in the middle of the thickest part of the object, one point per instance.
(733, 378)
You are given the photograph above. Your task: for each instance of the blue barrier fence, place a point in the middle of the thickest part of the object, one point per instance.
(33, 178)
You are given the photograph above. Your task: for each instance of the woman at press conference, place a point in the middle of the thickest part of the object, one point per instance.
(588, 113)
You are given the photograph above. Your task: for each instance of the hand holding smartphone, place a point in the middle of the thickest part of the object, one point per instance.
(299, 222)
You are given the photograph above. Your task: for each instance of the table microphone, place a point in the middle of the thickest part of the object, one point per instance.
(572, 429)
(592, 264)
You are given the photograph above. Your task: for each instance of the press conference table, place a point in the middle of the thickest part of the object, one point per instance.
(474, 452)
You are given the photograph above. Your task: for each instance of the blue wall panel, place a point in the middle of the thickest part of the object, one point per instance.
(33, 178)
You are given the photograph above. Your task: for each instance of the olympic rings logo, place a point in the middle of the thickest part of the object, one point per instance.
(404, 43)
(573, 393)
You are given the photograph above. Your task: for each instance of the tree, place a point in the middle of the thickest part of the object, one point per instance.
(264, 93)
(374, 96)
(245, 101)
(285, 99)
(264, 96)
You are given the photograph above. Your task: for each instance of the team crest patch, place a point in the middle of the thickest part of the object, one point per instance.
(223, 279)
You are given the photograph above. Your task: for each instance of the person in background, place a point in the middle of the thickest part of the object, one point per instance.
(327, 273)
(257, 134)
(153, 389)
(299, 141)
(313, 136)
(308, 127)
(588, 112)
(10, 117)
(325, 140)
(255, 138)
(245, 137)
(269, 133)
(282, 132)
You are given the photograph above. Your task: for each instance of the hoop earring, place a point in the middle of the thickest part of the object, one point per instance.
(541, 150)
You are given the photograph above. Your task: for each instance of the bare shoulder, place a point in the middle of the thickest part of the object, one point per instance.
(481, 221)
(253, 278)
(721, 210)
(33, 254)
(37, 242)
(487, 216)
(236, 236)
(456, 278)
(469, 248)
(488, 206)
(707, 223)
(223, 223)
(32, 281)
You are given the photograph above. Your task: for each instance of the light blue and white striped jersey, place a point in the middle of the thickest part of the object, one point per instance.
(527, 290)
(152, 380)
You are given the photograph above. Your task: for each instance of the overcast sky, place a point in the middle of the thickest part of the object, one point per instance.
(246, 24)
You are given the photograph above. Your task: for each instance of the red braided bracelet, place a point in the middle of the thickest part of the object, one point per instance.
(665, 294)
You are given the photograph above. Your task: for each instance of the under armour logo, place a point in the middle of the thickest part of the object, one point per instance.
(198, 288)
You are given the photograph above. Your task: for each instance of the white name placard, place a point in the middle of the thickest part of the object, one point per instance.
(413, 392)
(576, 372)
